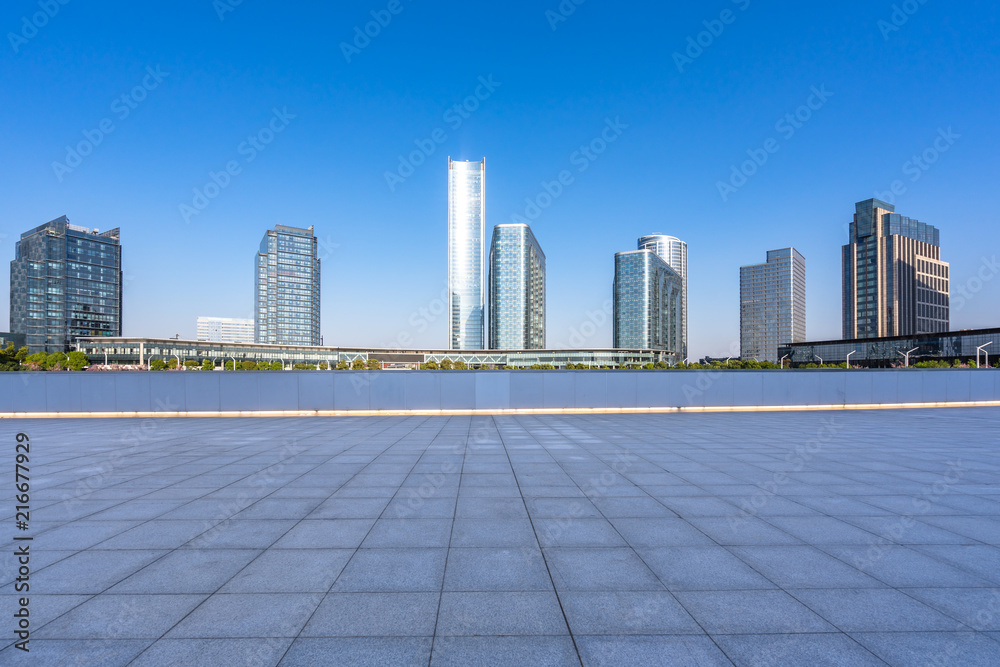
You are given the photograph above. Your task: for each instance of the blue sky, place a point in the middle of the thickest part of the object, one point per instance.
(200, 78)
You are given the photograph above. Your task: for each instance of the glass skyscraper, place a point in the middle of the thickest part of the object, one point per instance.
(65, 282)
(466, 254)
(648, 298)
(772, 305)
(674, 252)
(894, 281)
(517, 289)
(287, 288)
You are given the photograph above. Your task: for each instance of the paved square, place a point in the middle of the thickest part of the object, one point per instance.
(839, 538)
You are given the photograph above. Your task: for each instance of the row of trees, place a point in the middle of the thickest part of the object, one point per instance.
(12, 359)
(159, 364)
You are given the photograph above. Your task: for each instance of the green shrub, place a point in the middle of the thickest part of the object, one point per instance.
(358, 365)
(190, 364)
(323, 366)
(374, 365)
(157, 365)
(461, 366)
(208, 365)
(447, 365)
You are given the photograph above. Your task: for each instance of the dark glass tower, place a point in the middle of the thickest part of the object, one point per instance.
(65, 283)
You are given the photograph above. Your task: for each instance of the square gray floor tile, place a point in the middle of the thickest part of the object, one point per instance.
(188, 571)
(246, 651)
(374, 615)
(577, 533)
(359, 651)
(504, 651)
(751, 612)
(581, 569)
(660, 532)
(652, 651)
(248, 615)
(702, 569)
(835, 650)
(496, 569)
(633, 613)
(400, 533)
(931, 648)
(493, 533)
(72, 652)
(495, 613)
(290, 571)
(121, 617)
(393, 570)
(326, 534)
(803, 567)
(876, 610)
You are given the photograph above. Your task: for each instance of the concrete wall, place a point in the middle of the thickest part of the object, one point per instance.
(195, 391)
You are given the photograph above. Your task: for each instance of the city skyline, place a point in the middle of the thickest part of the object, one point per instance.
(678, 130)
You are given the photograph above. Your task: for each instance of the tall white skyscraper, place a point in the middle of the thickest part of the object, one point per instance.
(772, 305)
(466, 254)
(674, 252)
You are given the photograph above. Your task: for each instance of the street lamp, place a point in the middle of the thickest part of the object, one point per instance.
(906, 355)
(981, 348)
(782, 362)
(816, 356)
(234, 363)
(849, 357)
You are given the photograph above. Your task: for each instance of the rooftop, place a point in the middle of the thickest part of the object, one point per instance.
(865, 538)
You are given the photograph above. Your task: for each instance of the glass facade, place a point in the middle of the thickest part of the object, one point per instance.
(674, 252)
(772, 305)
(647, 302)
(287, 288)
(65, 283)
(517, 289)
(894, 282)
(138, 351)
(466, 254)
(890, 351)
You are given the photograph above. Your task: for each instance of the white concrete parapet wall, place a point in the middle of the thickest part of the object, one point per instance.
(336, 391)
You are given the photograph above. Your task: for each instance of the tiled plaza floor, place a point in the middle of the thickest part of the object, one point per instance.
(843, 538)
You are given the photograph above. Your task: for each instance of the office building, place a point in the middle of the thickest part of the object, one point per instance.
(772, 305)
(225, 330)
(65, 282)
(466, 255)
(647, 303)
(674, 252)
(894, 281)
(287, 288)
(893, 351)
(139, 352)
(517, 289)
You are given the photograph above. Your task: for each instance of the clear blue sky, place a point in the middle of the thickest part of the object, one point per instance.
(385, 251)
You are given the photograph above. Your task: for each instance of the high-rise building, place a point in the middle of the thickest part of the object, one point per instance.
(65, 282)
(466, 255)
(517, 289)
(674, 252)
(287, 288)
(225, 330)
(647, 303)
(894, 281)
(772, 305)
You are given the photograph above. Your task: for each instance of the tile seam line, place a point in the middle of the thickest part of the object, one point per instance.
(500, 412)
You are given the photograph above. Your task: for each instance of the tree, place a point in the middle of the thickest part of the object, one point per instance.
(172, 364)
(323, 366)
(447, 365)
(429, 366)
(342, 365)
(9, 360)
(374, 365)
(157, 365)
(461, 366)
(228, 365)
(190, 364)
(77, 360)
(208, 365)
(275, 366)
(249, 365)
(358, 365)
